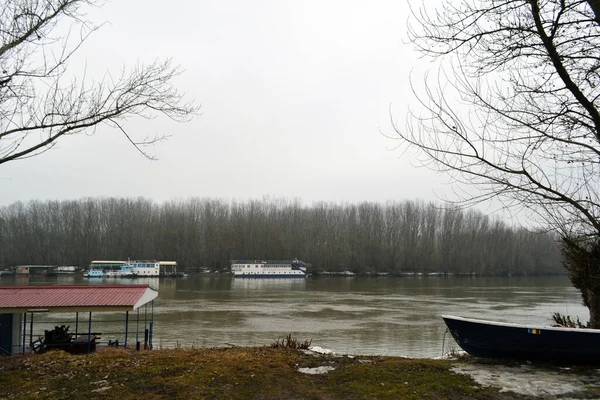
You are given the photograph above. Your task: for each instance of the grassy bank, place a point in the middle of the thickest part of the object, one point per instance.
(231, 373)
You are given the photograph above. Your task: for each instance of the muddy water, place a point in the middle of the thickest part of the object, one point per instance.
(384, 316)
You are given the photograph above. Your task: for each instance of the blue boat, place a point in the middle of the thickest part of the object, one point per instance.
(94, 273)
(488, 339)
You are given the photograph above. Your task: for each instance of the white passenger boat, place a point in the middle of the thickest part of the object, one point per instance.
(129, 268)
(66, 270)
(145, 268)
(269, 269)
(124, 272)
(109, 269)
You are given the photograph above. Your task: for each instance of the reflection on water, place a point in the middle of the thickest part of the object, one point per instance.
(275, 284)
(389, 316)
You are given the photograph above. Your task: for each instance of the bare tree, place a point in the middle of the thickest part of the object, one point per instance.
(41, 101)
(514, 115)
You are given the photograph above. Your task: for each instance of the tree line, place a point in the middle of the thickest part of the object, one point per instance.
(395, 237)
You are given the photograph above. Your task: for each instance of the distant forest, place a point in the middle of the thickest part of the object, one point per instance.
(198, 233)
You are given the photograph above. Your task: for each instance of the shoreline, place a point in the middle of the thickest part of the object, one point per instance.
(281, 373)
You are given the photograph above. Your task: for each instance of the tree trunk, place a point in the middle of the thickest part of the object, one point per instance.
(592, 301)
(581, 259)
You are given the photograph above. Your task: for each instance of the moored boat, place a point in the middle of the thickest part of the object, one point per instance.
(269, 269)
(109, 269)
(94, 273)
(145, 268)
(489, 339)
(66, 270)
(129, 268)
(124, 272)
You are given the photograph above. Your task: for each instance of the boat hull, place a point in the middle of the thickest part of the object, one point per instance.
(489, 339)
(269, 276)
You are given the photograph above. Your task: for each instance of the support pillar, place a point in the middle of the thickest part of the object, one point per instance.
(31, 330)
(126, 326)
(89, 341)
(24, 330)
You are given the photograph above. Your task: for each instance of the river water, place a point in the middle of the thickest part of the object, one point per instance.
(349, 315)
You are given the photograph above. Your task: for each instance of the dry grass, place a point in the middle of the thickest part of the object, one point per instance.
(289, 342)
(230, 373)
(567, 321)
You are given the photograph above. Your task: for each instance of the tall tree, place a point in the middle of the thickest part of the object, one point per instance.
(514, 115)
(42, 101)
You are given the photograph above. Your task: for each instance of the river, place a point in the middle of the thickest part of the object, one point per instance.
(349, 315)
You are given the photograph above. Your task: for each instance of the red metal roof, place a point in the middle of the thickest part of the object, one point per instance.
(75, 297)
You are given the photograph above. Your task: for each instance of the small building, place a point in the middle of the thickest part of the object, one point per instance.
(22, 306)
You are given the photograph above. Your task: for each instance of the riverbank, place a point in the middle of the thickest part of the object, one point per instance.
(255, 373)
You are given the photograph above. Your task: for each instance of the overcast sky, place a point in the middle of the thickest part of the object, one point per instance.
(293, 96)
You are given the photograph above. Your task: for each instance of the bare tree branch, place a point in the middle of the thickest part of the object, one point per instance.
(514, 114)
(39, 103)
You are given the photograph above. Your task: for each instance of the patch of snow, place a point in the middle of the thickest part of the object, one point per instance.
(454, 355)
(316, 370)
(524, 379)
(320, 350)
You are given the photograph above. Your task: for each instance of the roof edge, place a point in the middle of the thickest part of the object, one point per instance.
(131, 285)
